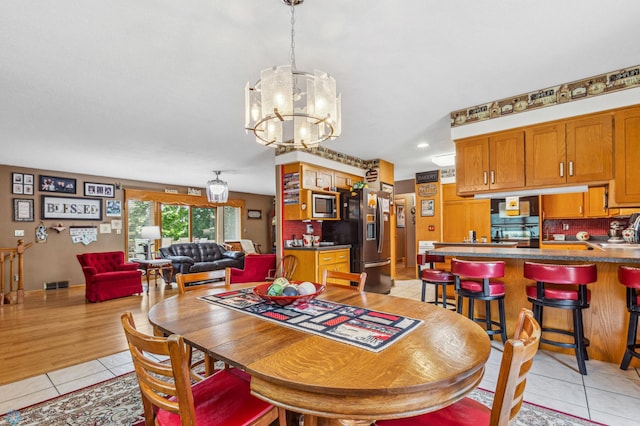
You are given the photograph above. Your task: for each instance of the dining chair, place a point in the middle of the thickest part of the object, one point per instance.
(346, 276)
(286, 268)
(168, 398)
(517, 359)
(189, 282)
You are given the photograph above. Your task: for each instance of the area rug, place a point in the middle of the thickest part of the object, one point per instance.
(116, 402)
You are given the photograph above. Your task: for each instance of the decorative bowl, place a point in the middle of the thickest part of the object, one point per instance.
(262, 289)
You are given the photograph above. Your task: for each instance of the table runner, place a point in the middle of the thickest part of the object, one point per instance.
(361, 327)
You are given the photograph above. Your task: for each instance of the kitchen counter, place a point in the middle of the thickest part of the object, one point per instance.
(605, 321)
(321, 248)
(511, 244)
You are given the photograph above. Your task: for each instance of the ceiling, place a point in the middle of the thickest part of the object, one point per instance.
(154, 90)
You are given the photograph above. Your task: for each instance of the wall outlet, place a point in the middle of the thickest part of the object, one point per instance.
(16, 278)
(18, 233)
(565, 226)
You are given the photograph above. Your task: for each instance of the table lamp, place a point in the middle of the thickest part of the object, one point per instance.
(150, 233)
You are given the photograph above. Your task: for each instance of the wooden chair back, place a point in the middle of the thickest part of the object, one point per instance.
(517, 360)
(157, 379)
(210, 279)
(286, 268)
(348, 276)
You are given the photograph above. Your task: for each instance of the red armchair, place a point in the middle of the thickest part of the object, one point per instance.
(107, 276)
(256, 269)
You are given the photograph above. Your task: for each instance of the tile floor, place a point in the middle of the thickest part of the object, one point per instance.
(607, 394)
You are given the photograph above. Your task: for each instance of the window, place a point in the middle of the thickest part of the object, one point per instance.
(181, 217)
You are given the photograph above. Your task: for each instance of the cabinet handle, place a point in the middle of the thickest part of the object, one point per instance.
(580, 210)
(561, 169)
(570, 168)
(493, 177)
(484, 174)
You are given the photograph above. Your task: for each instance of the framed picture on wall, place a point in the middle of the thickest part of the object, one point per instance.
(57, 184)
(22, 183)
(22, 210)
(428, 208)
(113, 208)
(99, 190)
(400, 214)
(71, 208)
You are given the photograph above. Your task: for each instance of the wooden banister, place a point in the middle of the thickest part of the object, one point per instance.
(15, 295)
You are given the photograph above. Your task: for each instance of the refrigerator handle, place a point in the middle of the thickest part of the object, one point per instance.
(380, 220)
(377, 264)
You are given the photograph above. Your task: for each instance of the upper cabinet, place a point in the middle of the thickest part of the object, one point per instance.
(627, 189)
(316, 178)
(494, 162)
(570, 152)
(592, 203)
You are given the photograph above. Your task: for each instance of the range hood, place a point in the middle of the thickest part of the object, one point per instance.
(534, 192)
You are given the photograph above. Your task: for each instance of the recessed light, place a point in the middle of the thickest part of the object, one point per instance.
(423, 145)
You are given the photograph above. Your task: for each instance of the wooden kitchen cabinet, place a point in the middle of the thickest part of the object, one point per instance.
(577, 204)
(343, 180)
(460, 217)
(570, 152)
(311, 263)
(316, 178)
(627, 171)
(493, 162)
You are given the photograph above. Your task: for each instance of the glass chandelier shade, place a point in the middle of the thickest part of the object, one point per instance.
(217, 190)
(293, 108)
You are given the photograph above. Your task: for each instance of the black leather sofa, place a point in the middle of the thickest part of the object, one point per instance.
(188, 258)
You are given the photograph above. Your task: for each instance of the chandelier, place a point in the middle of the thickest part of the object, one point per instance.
(287, 107)
(217, 190)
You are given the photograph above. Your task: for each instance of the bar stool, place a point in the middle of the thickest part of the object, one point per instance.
(630, 277)
(437, 277)
(475, 280)
(562, 287)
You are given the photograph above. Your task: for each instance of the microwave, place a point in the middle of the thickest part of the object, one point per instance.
(324, 206)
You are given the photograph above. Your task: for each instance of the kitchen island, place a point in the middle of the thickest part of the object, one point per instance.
(605, 321)
(313, 260)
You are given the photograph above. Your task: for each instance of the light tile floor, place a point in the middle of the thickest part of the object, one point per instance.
(607, 394)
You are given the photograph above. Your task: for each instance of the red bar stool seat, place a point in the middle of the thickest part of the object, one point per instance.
(476, 280)
(630, 278)
(437, 277)
(562, 287)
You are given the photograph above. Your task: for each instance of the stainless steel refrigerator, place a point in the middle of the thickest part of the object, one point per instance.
(365, 224)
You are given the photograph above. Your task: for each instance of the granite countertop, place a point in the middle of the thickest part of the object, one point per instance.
(450, 244)
(602, 255)
(321, 248)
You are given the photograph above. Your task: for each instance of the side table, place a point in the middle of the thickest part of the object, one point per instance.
(155, 266)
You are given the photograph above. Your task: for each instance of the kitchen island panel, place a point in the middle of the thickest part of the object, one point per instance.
(605, 321)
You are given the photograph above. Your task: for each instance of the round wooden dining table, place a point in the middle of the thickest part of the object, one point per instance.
(434, 365)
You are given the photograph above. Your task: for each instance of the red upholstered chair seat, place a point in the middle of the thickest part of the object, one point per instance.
(437, 275)
(496, 288)
(222, 399)
(256, 269)
(558, 293)
(464, 412)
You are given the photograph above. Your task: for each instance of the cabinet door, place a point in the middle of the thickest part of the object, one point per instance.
(343, 180)
(506, 160)
(472, 165)
(460, 217)
(309, 177)
(479, 217)
(595, 202)
(563, 206)
(627, 156)
(545, 154)
(590, 149)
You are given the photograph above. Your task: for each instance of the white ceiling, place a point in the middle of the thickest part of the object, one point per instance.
(154, 90)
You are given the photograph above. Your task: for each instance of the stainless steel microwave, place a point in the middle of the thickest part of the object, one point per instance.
(324, 206)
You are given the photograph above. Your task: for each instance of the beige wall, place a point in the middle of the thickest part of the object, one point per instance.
(56, 260)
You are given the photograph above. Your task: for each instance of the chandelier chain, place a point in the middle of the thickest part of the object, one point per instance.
(293, 33)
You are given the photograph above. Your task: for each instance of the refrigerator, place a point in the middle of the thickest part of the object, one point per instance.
(365, 225)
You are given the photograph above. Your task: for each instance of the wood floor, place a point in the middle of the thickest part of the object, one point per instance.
(54, 329)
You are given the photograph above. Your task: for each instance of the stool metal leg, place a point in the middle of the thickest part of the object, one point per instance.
(424, 290)
(579, 341)
(631, 341)
(503, 320)
(488, 320)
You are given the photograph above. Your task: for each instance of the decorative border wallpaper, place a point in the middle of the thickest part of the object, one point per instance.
(329, 154)
(567, 92)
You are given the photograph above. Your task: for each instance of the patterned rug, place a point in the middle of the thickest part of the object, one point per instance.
(116, 402)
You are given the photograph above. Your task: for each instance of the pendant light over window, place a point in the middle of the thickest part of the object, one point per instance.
(287, 107)
(217, 190)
